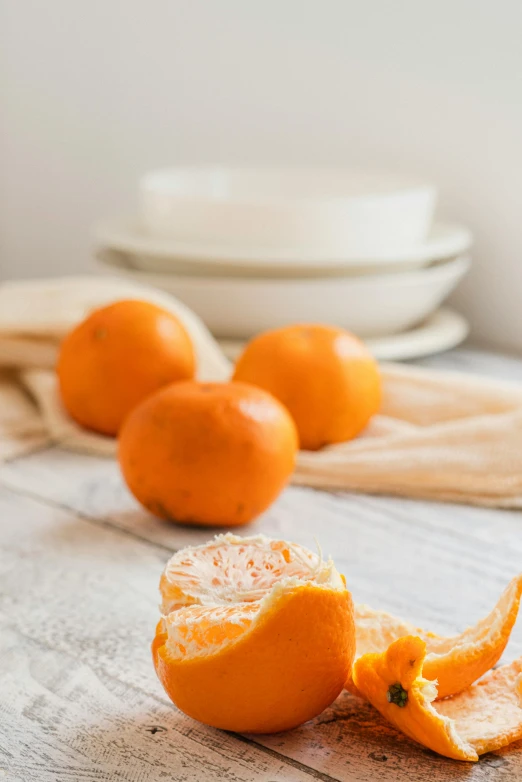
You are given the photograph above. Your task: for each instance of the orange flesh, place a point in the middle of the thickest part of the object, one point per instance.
(220, 574)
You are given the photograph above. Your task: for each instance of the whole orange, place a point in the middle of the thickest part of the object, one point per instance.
(208, 453)
(324, 375)
(118, 356)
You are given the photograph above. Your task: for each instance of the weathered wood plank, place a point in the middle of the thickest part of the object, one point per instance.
(62, 721)
(409, 557)
(351, 742)
(78, 692)
(78, 609)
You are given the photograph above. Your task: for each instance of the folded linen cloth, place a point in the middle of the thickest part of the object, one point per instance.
(439, 435)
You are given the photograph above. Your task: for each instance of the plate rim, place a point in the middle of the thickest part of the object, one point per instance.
(442, 330)
(125, 235)
(402, 277)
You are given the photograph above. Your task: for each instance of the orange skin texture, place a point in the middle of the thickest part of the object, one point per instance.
(401, 663)
(459, 670)
(483, 718)
(324, 375)
(455, 662)
(283, 672)
(208, 453)
(116, 357)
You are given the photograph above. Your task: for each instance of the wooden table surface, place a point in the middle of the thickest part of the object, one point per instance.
(79, 568)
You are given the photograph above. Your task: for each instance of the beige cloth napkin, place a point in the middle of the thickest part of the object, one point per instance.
(439, 435)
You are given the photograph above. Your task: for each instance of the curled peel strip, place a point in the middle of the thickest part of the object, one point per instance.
(483, 718)
(455, 662)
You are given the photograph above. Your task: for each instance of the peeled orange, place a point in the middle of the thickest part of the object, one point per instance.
(256, 635)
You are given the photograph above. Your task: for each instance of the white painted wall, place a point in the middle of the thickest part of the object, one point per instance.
(98, 92)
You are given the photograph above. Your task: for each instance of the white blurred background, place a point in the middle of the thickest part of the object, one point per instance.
(94, 94)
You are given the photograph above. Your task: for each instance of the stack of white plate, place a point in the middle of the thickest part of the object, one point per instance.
(250, 250)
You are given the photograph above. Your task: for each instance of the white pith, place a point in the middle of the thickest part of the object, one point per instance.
(210, 592)
(376, 630)
(488, 715)
(428, 691)
(485, 633)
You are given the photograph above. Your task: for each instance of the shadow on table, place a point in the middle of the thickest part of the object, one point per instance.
(351, 741)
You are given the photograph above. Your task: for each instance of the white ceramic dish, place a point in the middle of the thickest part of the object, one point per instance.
(167, 256)
(333, 210)
(370, 306)
(443, 330)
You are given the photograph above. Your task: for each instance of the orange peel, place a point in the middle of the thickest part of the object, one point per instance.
(256, 635)
(456, 661)
(483, 718)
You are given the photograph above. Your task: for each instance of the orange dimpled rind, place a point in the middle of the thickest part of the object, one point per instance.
(485, 717)
(253, 653)
(116, 357)
(324, 375)
(259, 635)
(210, 454)
(455, 662)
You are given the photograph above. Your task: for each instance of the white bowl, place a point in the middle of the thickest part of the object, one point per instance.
(334, 211)
(372, 306)
(151, 254)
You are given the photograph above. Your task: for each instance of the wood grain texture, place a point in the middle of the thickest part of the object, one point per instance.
(409, 557)
(84, 608)
(79, 567)
(63, 721)
(78, 690)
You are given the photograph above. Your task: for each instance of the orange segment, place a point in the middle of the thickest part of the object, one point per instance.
(257, 635)
(233, 569)
(485, 717)
(455, 662)
(194, 630)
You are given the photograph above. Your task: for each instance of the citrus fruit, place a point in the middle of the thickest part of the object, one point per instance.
(118, 356)
(208, 453)
(257, 635)
(324, 375)
(455, 662)
(483, 718)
